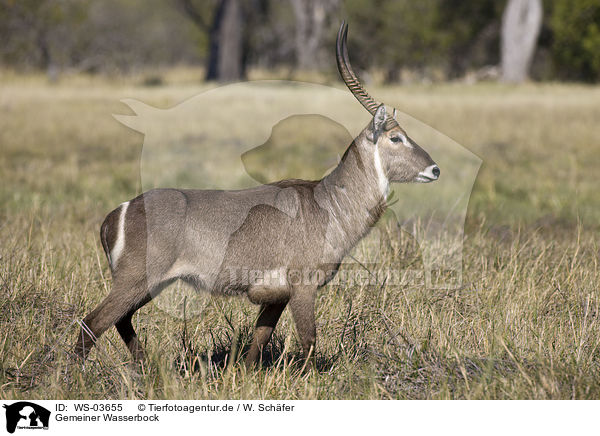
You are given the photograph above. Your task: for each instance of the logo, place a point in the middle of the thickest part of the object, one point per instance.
(26, 415)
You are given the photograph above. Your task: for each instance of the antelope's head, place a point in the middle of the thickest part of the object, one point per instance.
(398, 156)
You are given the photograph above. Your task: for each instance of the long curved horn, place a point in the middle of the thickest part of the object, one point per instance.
(350, 79)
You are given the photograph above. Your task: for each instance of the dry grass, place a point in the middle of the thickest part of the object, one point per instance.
(523, 325)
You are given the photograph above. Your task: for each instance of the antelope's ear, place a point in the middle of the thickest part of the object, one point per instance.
(378, 123)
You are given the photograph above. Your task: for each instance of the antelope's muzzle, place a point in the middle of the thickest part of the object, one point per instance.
(429, 174)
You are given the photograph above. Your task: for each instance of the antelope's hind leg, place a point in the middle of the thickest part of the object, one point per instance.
(116, 309)
(127, 333)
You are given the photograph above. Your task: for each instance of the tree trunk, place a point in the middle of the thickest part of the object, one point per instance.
(225, 62)
(521, 24)
(310, 16)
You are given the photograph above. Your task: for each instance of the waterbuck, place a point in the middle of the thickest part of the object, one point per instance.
(294, 232)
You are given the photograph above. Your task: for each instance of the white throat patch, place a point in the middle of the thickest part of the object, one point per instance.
(382, 180)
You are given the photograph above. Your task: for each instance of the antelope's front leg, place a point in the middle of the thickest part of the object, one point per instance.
(302, 305)
(267, 320)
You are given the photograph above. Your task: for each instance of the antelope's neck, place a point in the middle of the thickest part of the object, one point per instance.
(354, 194)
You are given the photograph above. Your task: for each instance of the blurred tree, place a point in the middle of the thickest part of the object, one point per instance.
(471, 34)
(228, 24)
(271, 41)
(311, 16)
(222, 20)
(33, 32)
(125, 35)
(430, 39)
(521, 24)
(81, 35)
(447, 36)
(575, 26)
(394, 34)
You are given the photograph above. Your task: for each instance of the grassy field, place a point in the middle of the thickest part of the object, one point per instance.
(524, 324)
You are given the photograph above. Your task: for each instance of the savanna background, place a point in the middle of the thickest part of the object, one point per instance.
(513, 81)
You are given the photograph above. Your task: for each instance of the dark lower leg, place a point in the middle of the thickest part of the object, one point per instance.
(127, 333)
(267, 320)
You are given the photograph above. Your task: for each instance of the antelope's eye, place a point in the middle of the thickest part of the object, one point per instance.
(396, 139)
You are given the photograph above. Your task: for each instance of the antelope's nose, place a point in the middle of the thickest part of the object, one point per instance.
(431, 173)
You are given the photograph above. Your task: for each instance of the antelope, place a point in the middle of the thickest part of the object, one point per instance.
(207, 237)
